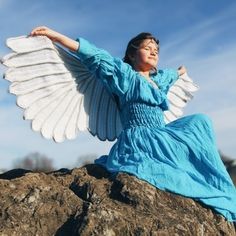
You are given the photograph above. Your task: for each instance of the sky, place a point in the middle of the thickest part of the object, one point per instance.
(196, 33)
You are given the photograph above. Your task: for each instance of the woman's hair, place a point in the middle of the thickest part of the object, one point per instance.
(134, 44)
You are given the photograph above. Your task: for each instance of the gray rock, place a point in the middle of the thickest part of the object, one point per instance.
(90, 201)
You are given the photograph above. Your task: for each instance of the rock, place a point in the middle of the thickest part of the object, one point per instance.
(90, 201)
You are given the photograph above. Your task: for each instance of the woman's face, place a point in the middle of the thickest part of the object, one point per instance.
(146, 56)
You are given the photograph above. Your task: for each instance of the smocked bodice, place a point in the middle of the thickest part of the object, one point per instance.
(141, 114)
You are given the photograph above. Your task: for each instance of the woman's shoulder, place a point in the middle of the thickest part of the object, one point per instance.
(166, 71)
(159, 75)
(164, 76)
(123, 68)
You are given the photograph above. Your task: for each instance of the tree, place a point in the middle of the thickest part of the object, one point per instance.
(35, 161)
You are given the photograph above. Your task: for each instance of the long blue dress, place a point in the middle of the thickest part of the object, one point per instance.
(180, 157)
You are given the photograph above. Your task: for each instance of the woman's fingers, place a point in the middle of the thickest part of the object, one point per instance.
(45, 31)
(41, 30)
(182, 70)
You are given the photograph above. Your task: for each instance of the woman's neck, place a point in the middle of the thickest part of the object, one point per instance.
(145, 74)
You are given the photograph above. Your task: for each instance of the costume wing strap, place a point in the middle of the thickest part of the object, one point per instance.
(57, 92)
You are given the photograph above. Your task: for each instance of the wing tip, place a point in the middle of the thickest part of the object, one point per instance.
(58, 139)
(9, 40)
(102, 138)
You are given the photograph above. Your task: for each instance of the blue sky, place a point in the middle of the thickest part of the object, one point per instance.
(198, 34)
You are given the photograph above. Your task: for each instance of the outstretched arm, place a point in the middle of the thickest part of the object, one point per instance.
(56, 37)
(115, 74)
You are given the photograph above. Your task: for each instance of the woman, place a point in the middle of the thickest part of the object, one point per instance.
(180, 157)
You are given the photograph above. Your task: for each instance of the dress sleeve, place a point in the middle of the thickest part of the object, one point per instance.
(168, 78)
(113, 72)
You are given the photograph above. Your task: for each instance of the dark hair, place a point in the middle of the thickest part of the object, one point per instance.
(134, 44)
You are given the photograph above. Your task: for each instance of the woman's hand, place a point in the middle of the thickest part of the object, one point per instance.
(45, 31)
(56, 37)
(182, 70)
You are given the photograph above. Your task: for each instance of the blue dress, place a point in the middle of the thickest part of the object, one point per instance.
(179, 157)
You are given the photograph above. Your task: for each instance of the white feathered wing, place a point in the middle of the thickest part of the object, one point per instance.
(60, 95)
(178, 95)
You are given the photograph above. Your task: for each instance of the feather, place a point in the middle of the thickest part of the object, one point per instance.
(24, 44)
(31, 58)
(37, 106)
(111, 120)
(33, 71)
(94, 109)
(57, 92)
(28, 86)
(178, 95)
(59, 132)
(26, 100)
(52, 120)
(71, 128)
(102, 118)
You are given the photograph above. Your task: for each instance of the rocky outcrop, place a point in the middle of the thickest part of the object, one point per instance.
(90, 201)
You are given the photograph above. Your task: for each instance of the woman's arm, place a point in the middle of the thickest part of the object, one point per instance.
(113, 72)
(56, 37)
